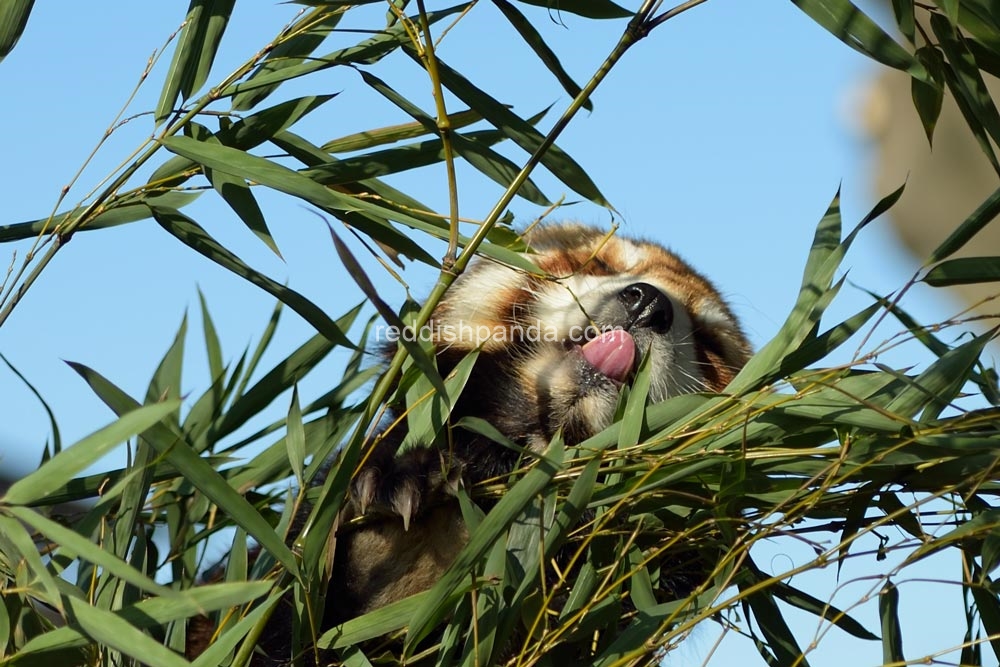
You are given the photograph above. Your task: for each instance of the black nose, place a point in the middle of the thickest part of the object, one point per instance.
(647, 307)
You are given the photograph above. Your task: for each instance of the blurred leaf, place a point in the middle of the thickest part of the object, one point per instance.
(13, 19)
(191, 234)
(928, 96)
(533, 39)
(966, 81)
(520, 131)
(194, 53)
(72, 460)
(982, 216)
(119, 215)
(855, 29)
(903, 10)
(964, 271)
(592, 9)
(892, 639)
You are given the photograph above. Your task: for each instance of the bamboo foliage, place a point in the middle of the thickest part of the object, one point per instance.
(794, 449)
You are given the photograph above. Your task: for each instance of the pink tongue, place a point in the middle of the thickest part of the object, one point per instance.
(612, 353)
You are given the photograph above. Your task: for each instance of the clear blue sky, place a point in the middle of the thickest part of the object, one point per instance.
(723, 135)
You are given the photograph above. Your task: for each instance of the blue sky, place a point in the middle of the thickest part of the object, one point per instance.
(724, 135)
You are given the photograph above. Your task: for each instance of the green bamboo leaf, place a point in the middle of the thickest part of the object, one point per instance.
(903, 10)
(928, 97)
(296, 439)
(244, 134)
(853, 27)
(213, 349)
(393, 133)
(892, 639)
(420, 357)
(591, 9)
(13, 19)
(194, 236)
(283, 179)
(634, 416)
(71, 541)
(166, 381)
(987, 605)
(480, 541)
(520, 132)
(58, 470)
(904, 518)
(426, 418)
(289, 54)
(772, 624)
(803, 600)
(982, 216)
(119, 215)
(218, 651)
(17, 545)
(169, 442)
(969, 86)
(56, 438)
(195, 51)
(281, 377)
(380, 622)
(548, 57)
(368, 51)
(114, 632)
(964, 271)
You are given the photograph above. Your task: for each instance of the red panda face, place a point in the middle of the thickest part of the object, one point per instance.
(556, 348)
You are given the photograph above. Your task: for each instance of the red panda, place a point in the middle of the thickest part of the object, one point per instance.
(555, 349)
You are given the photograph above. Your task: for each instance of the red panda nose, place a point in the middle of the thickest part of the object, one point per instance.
(647, 307)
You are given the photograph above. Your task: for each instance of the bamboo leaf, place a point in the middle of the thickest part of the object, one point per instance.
(112, 217)
(296, 439)
(501, 517)
(13, 19)
(393, 133)
(982, 216)
(892, 639)
(520, 132)
(58, 470)
(170, 443)
(592, 9)
(548, 57)
(367, 52)
(195, 51)
(855, 29)
(290, 53)
(56, 438)
(964, 271)
(191, 234)
(70, 540)
(928, 97)
(968, 85)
